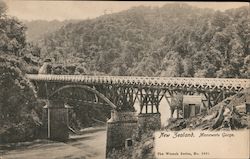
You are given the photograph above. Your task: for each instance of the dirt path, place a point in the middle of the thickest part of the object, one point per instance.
(89, 145)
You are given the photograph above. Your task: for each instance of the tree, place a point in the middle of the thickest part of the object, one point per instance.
(3, 8)
(173, 40)
(188, 70)
(19, 115)
(12, 33)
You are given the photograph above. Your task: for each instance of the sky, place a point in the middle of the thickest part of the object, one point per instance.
(63, 10)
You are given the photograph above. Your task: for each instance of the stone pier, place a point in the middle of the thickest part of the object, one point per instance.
(57, 118)
(120, 127)
(149, 121)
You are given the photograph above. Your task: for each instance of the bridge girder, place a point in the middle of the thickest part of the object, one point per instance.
(124, 91)
(205, 84)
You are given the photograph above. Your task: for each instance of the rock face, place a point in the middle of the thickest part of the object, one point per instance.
(230, 114)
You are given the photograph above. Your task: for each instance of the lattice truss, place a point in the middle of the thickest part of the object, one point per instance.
(124, 91)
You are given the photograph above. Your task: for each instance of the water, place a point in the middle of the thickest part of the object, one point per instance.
(164, 109)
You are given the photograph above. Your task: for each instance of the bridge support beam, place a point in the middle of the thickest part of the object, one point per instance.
(57, 118)
(121, 126)
(149, 117)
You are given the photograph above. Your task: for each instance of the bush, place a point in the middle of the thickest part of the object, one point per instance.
(18, 103)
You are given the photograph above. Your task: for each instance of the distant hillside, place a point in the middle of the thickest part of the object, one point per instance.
(36, 29)
(173, 40)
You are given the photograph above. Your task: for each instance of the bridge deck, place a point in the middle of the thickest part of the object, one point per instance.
(210, 83)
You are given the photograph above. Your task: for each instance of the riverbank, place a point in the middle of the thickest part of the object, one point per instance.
(90, 144)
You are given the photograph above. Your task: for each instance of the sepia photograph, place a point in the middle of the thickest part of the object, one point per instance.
(124, 79)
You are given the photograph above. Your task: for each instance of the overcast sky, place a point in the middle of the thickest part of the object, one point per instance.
(62, 10)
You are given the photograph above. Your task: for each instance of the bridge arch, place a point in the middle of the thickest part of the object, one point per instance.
(87, 88)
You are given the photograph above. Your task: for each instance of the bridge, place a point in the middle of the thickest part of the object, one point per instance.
(120, 93)
(130, 88)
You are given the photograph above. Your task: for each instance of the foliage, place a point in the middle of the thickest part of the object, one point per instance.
(12, 33)
(13, 39)
(18, 104)
(173, 40)
(39, 28)
(86, 115)
(19, 108)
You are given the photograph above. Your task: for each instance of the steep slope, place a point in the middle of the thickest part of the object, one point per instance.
(173, 40)
(36, 29)
(230, 114)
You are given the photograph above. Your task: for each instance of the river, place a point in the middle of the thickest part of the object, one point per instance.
(90, 145)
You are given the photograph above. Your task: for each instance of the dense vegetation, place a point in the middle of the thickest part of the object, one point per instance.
(173, 40)
(21, 111)
(40, 28)
(19, 108)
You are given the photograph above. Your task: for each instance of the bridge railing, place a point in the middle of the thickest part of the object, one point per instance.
(149, 81)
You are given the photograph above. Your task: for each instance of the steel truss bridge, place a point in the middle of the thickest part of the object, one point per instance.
(121, 92)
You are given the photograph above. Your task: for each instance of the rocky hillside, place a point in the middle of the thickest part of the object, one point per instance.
(230, 114)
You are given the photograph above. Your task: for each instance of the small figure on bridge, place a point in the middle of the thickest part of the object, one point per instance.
(46, 67)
